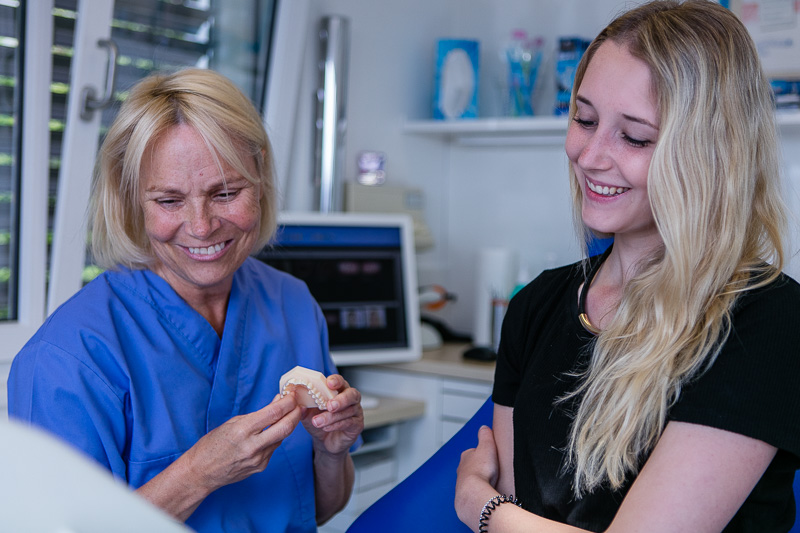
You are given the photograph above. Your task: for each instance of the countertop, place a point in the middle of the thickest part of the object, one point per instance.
(448, 361)
(392, 410)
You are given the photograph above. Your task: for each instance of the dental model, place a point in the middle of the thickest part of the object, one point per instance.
(309, 385)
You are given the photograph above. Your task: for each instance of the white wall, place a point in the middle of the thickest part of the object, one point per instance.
(514, 196)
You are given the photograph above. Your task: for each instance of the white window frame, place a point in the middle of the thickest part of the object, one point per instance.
(293, 26)
(78, 152)
(35, 171)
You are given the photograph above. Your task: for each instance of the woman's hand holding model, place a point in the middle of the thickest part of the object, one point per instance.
(336, 429)
(237, 449)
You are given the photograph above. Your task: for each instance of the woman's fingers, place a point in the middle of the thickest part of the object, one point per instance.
(282, 428)
(481, 461)
(336, 382)
(270, 413)
(337, 428)
(275, 421)
(329, 421)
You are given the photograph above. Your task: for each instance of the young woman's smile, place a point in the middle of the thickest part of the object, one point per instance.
(610, 143)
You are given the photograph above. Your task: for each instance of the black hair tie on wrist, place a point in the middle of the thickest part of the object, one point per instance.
(490, 506)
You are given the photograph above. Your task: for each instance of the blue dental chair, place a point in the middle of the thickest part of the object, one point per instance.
(796, 526)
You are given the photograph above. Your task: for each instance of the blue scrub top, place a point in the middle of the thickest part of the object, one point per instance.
(132, 375)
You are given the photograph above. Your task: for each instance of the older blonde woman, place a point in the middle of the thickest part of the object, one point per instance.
(166, 368)
(655, 389)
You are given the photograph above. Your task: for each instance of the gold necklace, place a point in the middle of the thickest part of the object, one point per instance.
(582, 316)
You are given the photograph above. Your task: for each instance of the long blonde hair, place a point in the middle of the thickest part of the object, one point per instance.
(714, 189)
(223, 116)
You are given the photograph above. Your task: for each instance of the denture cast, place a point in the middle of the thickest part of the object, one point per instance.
(309, 385)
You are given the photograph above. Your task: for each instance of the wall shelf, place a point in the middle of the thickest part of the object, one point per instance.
(495, 131)
(541, 131)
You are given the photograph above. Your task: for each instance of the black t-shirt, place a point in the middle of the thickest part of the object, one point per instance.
(752, 389)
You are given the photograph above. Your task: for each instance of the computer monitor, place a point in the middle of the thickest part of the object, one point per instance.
(361, 269)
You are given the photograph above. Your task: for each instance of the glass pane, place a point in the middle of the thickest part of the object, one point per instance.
(10, 36)
(231, 36)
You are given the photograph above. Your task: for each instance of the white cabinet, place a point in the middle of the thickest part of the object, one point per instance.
(460, 400)
(451, 388)
(451, 391)
(376, 462)
(376, 473)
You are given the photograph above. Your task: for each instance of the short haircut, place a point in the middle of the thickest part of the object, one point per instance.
(220, 113)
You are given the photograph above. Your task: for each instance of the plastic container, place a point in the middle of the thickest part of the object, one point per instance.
(523, 278)
(522, 56)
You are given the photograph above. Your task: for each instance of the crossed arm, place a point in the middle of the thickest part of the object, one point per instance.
(695, 480)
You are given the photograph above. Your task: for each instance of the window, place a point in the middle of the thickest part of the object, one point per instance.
(10, 30)
(231, 36)
(159, 35)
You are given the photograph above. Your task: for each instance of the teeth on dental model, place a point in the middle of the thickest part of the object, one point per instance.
(309, 386)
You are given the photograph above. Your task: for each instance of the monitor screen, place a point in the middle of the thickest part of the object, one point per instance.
(360, 269)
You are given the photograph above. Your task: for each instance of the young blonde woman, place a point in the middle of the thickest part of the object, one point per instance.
(654, 388)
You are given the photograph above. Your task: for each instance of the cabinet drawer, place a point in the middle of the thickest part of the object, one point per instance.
(460, 407)
(467, 388)
(450, 428)
(373, 470)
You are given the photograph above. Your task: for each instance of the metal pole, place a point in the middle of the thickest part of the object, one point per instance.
(331, 123)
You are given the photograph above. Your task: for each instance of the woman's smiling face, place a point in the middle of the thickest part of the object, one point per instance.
(610, 143)
(201, 224)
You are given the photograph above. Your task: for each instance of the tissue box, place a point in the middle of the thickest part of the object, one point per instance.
(456, 87)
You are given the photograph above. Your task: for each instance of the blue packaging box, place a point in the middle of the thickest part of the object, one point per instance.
(456, 82)
(570, 51)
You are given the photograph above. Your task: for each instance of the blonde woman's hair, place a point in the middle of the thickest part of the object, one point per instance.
(714, 190)
(218, 111)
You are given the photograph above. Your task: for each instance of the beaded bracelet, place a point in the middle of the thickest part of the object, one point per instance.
(490, 506)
